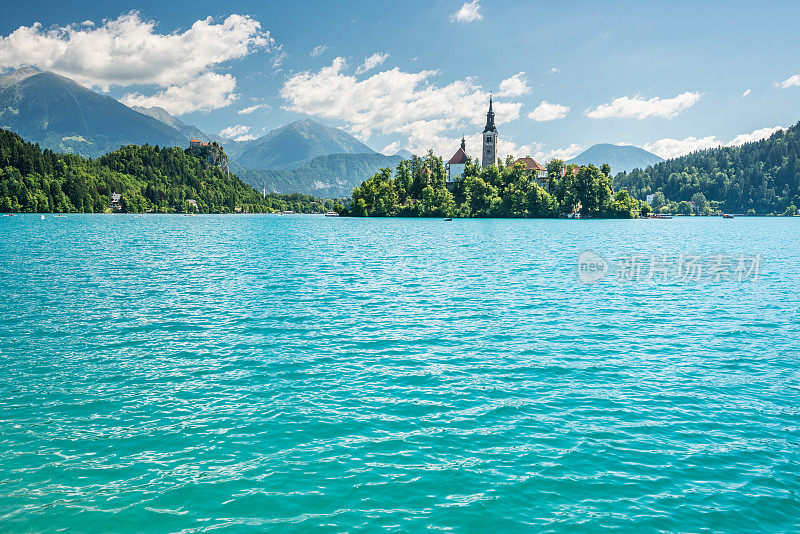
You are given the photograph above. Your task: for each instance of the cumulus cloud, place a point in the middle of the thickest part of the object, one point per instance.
(318, 50)
(746, 93)
(391, 148)
(130, 51)
(516, 85)
(206, 92)
(639, 108)
(672, 148)
(469, 12)
(756, 135)
(372, 61)
(237, 133)
(789, 82)
(395, 102)
(548, 112)
(251, 109)
(564, 153)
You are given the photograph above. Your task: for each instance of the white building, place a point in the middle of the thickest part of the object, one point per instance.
(455, 167)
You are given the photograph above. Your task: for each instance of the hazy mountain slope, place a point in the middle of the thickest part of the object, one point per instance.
(64, 116)
(296, 143)
(330, 176)
(621, 158)
(186, 130)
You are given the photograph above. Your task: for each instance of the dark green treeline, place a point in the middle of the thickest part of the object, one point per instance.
(416, 188)
(148, 178)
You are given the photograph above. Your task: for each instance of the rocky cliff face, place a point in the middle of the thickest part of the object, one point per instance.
(213, 154)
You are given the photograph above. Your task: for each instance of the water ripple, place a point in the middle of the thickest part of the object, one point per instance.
(184, 374)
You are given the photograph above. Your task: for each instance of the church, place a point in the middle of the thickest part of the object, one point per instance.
(455, 166)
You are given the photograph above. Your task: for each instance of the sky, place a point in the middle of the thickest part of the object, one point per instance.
(670, 77)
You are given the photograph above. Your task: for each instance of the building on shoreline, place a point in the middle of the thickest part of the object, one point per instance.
(455, 167)
(534, 171)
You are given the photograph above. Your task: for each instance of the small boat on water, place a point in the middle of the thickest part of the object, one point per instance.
(727, 216)
(42, 217)
(331, 214)
(448, 218)
(661, 216)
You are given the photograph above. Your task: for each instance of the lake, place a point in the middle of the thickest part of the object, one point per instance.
(303, 373)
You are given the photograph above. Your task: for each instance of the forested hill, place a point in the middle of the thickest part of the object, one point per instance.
(763, 176)
(148, 178)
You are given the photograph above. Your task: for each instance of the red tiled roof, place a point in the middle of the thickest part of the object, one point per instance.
(459, 157)
(529, 164)
(195, 140)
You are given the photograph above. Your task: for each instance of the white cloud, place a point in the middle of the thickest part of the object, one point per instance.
(129, 51)
(372, 61)
(237, 133)
(746, 93)
(563, 153)
(516, 85)
(391, 148)
(206, 92)
(555, 70)
(789, 82)
(756, 135)
(469, 12)
(672, 148)
(548, 112)
(396, 102)
(277, 59)
(639, 108)
(319, 50)
(251, 109)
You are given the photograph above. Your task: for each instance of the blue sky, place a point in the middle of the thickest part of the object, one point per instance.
(669, 76)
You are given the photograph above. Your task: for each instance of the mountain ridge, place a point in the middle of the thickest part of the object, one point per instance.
(293, 144)
(329, 176)
(187, 130)
(619, 157)
(60, 114)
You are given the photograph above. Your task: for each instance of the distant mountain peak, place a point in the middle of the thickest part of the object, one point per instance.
(61, 114)
(619, 157)
(17, 75)
(295, 143)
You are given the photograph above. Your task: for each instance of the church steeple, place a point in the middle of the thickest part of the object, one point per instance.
(463, 144)
(489, 139)
(490, 127)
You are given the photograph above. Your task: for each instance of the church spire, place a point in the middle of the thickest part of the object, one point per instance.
(490, 127)
(463, 144)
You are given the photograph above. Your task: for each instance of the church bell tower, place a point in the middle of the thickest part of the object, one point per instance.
(489, 139)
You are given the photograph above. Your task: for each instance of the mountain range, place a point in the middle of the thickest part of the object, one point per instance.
(328, 176)
(304, 156)
(292, 145)
(64, 116)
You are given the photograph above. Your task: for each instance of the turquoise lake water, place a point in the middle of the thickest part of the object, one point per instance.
(302, 373)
